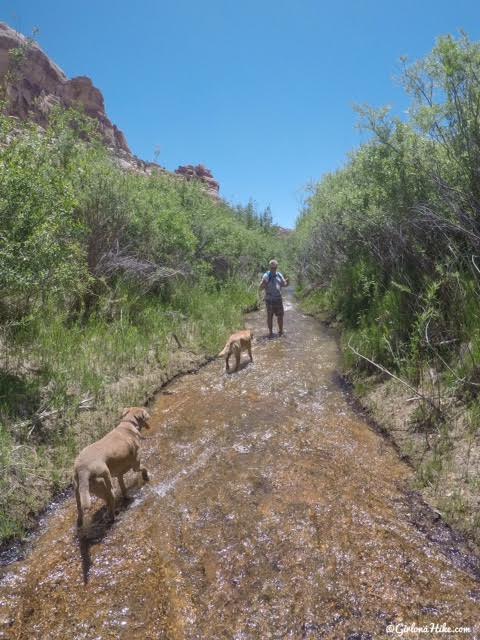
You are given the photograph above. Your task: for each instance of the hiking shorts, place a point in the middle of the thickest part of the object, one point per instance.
(274, 307)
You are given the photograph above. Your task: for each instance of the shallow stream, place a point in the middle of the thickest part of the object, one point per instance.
(273, 511)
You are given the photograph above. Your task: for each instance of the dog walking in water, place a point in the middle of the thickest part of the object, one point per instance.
(112, 456)
(237, 342)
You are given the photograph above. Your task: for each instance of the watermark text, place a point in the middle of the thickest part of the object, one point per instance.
(402, 628)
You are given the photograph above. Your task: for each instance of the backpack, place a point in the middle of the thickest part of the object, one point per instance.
(271, 275)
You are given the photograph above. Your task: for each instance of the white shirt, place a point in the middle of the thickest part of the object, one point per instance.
(274, 285)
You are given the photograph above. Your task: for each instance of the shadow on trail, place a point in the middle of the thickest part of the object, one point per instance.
(275, 512)
(241, 366)
(95, 532)
(267, 338)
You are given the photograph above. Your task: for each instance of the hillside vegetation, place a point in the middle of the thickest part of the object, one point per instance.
(110, 283)
(390, 246)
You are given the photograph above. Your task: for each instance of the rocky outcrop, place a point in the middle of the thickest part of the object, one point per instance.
(284, 232)
(127, 161)
(201, 173)
(35, 84)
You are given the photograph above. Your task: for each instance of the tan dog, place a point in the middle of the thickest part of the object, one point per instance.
(113, 455)
(238, 342)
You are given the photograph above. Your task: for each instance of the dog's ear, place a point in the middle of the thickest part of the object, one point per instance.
(125, 411)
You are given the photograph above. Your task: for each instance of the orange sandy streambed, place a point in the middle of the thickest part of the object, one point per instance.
(273, 511)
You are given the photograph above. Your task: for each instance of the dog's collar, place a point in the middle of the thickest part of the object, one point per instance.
(135, 424)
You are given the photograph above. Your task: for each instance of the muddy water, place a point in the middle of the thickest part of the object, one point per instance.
(274, 511)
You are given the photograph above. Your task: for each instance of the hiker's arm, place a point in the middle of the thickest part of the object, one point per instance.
(263, 284)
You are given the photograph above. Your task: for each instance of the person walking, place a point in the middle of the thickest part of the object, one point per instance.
(272, 282)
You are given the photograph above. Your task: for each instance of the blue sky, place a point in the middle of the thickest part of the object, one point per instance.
(260, 91)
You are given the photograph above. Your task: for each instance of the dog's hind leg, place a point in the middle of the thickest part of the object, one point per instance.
(81, 483)
(250, 352)
(109, 497)
(237, 358)
(79, 505)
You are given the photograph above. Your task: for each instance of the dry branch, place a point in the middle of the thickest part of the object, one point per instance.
(392, 375)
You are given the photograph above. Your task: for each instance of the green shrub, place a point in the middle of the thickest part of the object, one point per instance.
(392, 237)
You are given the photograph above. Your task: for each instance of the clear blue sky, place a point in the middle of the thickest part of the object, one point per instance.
(260, 91)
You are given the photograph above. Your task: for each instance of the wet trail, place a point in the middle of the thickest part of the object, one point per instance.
(273, 511)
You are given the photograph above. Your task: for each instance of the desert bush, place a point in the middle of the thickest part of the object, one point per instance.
(394, 235)
(101, 271)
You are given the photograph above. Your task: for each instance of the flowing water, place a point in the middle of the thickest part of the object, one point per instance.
(273, 511)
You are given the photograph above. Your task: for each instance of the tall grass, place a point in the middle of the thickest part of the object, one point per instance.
(66, 363)
(103, 274)
(389, 245)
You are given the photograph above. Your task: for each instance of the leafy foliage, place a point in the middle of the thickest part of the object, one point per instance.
(99, 269)
(392, 238)
(72, 223)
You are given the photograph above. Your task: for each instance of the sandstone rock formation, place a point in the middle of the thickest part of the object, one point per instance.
(199, 172)
(38, 83)
(35, 84)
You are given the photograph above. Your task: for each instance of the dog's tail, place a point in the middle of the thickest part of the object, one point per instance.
(81, 481)
(225, 350)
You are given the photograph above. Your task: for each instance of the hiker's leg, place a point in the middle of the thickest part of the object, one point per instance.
(280, 324)
(270, 322)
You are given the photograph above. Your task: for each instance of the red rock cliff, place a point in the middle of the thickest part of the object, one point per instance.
(38, 84)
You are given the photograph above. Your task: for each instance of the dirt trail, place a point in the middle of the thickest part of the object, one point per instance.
(274, 511)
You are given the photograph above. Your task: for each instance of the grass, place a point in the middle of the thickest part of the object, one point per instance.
(55, 365)
(314, 302)
(441, 437)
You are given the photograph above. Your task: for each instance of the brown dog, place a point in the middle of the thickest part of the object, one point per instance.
(113, 455)
(238, 342)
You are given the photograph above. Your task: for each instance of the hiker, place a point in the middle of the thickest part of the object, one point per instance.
(272, 282)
